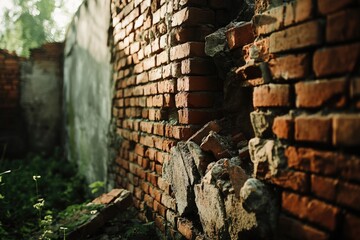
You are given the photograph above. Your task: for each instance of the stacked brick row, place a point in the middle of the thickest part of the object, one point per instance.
(166, 88)
(304, 70)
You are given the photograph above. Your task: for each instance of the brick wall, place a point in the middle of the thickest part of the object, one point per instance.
(10, 114)
(302, 70)
(312, 51)
(166, 88)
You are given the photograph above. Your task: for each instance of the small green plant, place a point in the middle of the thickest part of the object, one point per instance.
(27, 196)
(97, 187)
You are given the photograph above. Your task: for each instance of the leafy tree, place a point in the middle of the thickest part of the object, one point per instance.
(29, 24)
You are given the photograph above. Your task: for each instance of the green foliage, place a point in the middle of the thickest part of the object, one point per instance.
(58, 187)
(97, 187)
(28, 25)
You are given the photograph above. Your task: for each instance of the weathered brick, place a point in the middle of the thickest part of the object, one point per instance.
(272, 95)
(258, 50)
(189, 49)
(294, 180)
(239, 36)
(304, 35)
(190, 34)
(290, 66)
(197, 66)
(348, 194)
(311, 209)
(186, 99)
(185, 227)
(325, 64)
(283, 127)
(193, 16)
(329, 6)
(193, 116)
(343, 26)
(351, 229)
(346, 128)
(294, 229)
(198, 83)
(298, 11)
(324, 187)
(269, 21)
(311, 94)
(313, 128)
(214, 126)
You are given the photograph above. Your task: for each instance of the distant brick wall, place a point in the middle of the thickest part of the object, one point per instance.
(307, 104)
(312, 49)
(10, 113)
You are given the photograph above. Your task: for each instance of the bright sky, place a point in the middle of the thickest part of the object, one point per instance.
(61, 16)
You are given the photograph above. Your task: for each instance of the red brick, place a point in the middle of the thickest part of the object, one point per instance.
(283, 127)
(297, 230)
(324, 187)
(190, 34)
(146, 126)
(163, 185)
(197, 83)
(149, 63)
(348, 194)
(355, 87)
(193, 116)
(197, 66)
(272, 95)
(193, 16)
(214, 126)
(313, 128)
(298, 11)
(343, 26)
(258, 50)
(290, 66)
(346, 128)
(323, 162)
(311, 209)
(139, 150)
(189, 49)
(185, 227)
(167, 86)
(351, 229)
(168, 201)
(311, 94)
(240, 35)
(297, 181)
(276, 14)
(162, 58)
(304, 35)
(329, 6)
(325, 64)
(182, 132)
(197, 100)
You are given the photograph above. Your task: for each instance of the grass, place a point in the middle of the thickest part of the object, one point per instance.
(59, 185)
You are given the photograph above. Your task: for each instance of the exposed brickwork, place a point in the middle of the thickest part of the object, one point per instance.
(301, 68)
(166, 89)
(313, 52)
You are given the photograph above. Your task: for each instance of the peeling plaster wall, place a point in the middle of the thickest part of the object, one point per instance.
(88, 90)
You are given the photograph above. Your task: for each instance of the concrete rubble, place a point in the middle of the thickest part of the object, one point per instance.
(210, 175)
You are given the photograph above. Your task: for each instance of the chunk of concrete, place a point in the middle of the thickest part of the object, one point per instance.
(238, 219)
(262, 122)
(267, 156)
(211, 211)
(218, 145)
(201, 159)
